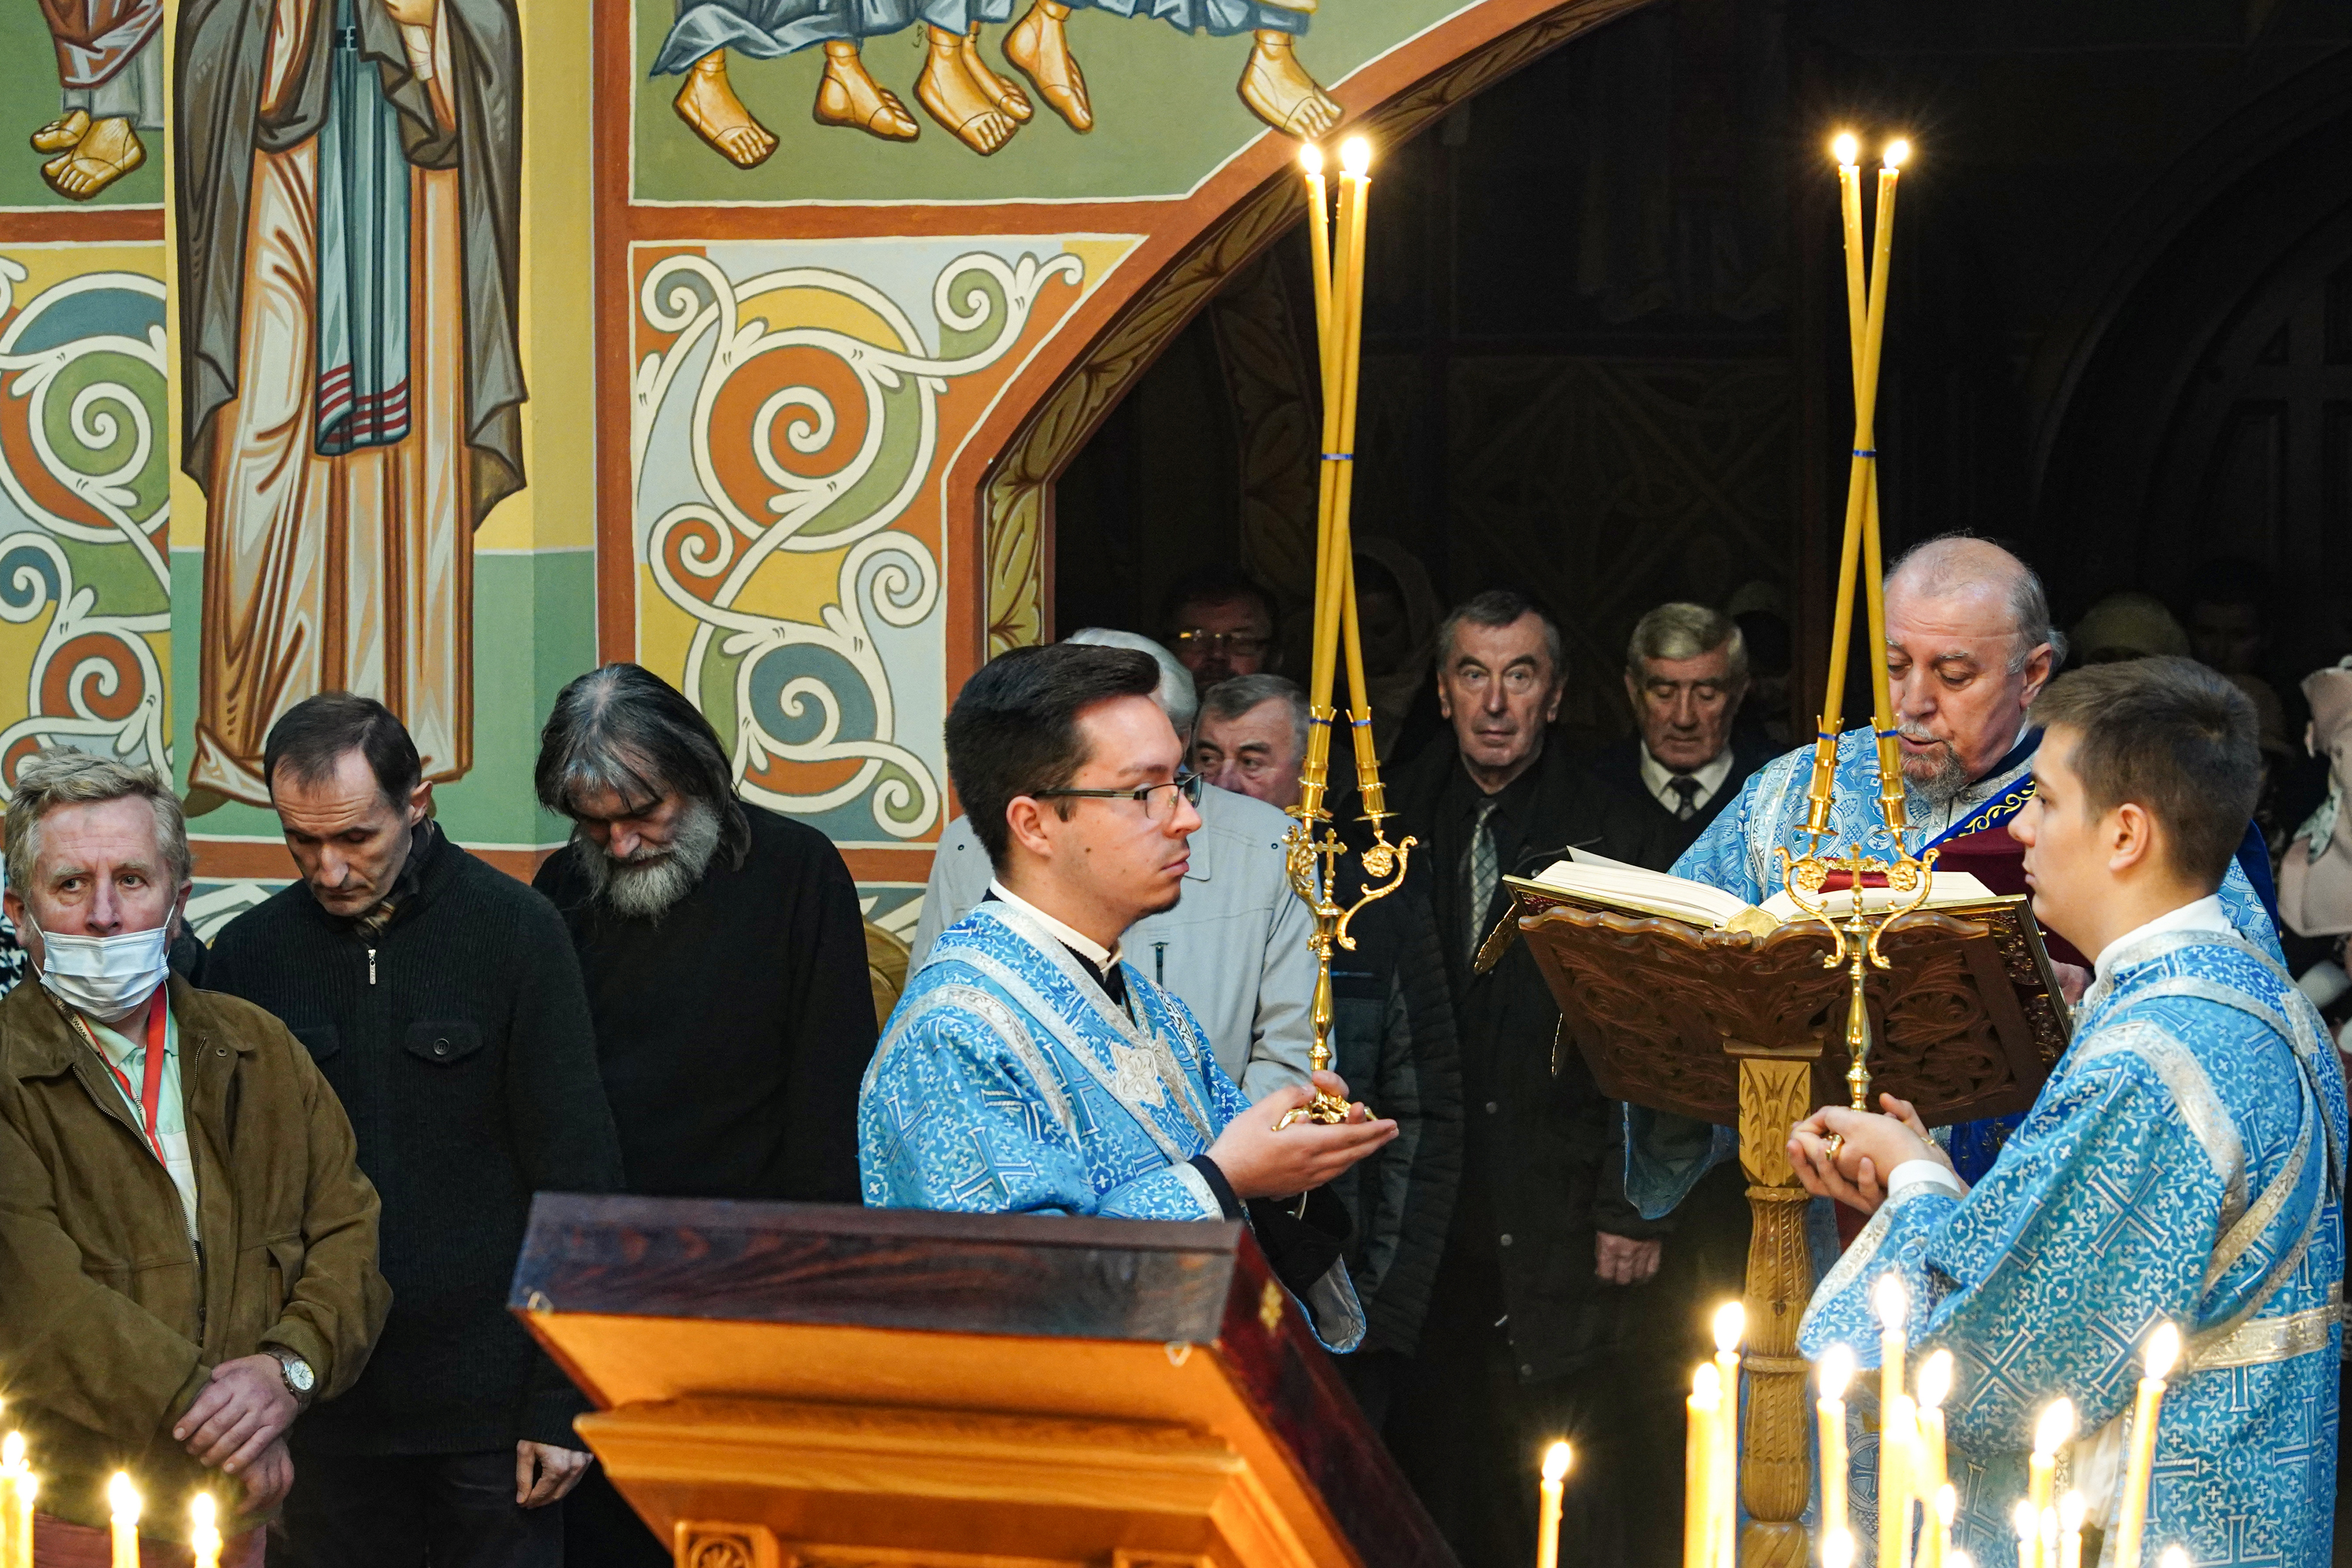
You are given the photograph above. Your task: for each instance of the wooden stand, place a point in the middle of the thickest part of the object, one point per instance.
(786, 1385)
(1728, 1028)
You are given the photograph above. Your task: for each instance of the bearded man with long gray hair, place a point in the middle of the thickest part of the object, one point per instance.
(725, 958)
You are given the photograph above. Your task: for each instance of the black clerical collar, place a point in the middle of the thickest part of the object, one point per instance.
(1109, 978)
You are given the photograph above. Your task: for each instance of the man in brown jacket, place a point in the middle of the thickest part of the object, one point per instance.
(187, 1247)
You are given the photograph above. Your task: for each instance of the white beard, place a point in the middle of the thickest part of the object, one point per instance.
(645, 885)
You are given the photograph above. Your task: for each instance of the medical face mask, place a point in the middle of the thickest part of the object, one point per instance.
(105, 976)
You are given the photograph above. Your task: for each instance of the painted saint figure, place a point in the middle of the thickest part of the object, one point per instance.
(348, 184)
(976, 104)
(111, 75)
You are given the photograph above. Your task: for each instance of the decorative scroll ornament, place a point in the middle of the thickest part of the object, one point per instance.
(841, 434)
(82, 399)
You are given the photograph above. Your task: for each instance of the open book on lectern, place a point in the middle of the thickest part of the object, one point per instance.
(1662, 981)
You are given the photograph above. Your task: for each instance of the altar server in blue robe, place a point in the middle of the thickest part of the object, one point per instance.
(1027, 1068)
(1969, 646)
(2183, 1164)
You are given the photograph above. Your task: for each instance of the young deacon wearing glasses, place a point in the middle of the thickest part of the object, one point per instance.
(1027, 1068)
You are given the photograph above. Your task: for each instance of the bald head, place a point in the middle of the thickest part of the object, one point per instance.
(1969, 647)
(1991, 588)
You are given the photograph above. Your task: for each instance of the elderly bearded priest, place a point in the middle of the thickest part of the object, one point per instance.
(1969, 647)
(2183, 1164)
(1028, 1068)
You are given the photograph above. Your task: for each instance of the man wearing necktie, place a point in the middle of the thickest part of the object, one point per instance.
(1685, 675)
(1545, 1264)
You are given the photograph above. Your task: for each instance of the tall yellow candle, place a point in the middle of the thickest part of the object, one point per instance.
(205, 1538)
(1705, 1409)
(2139, 1463)
(1730, 1326)
(1556, 1461)
(1319, 250)
(1837, 1549)
(14, 1552)
(1898, 1446)
(123, 1499)
(1934, 1385)
(26, 1486)
(2070, 1531)
(1936, 1530)
(1890, 758)
(1894, 1307)
(2026, 1522)
(1835, 1371)
(2050, 1434)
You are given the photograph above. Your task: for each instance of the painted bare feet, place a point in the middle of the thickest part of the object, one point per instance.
(110, 150)
(65, 131)
(1007, 93)
(1039, 48)
(711, 111)
(957, 100)
(848, 95)
(1279, 91)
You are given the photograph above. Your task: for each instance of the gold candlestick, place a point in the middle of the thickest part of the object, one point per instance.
(1312, 848)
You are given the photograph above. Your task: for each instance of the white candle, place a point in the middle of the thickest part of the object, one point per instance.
(2139, 1463)
(205, 1540)
(1836, 1370)
(123, 1499)
(1698, 1469)
(1730, 1325)
(2050, 1434)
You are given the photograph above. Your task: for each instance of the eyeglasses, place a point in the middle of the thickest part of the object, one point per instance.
(1158, 800)
(1248, 644)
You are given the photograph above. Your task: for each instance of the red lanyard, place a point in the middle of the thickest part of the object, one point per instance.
(150, 1089)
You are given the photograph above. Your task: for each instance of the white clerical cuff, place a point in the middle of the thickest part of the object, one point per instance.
(1913, 1174)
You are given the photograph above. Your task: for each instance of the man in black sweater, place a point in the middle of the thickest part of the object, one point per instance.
(1685, 675)
(725, 965)
(441, 999)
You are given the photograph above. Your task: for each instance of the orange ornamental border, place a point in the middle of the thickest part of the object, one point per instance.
(1172, 229)
(83, 225)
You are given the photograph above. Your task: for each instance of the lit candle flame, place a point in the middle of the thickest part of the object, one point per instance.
(1706, 1383)
(1310, 158)
(1836, 1372)
(2057, 1425)
(2174, 1557)
(1356, 155)
(1837, 1549)
(2023, 1519)
(202, 1510)
(1947, 1504)
(1935, 1380)
(1730, 1326)
(1893, 1302)
(1956, 1558)
(28, 1486)
(122, 1497)
(1557, 1459)
(1845, 149)
(1896, 151)
(12, 1452)
(2071, 1509)
(2163, 1351)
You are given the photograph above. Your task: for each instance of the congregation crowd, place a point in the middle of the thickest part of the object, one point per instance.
(261, 1198)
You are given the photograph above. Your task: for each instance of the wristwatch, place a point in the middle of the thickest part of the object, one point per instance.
(299, 1378)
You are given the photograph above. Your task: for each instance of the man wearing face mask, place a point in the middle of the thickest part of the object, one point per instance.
(174, 1129)
(443, 1002)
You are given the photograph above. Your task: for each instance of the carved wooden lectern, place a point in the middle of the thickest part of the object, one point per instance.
(792, 1385)
(1728, 1028)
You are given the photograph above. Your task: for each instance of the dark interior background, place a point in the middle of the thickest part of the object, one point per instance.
(1604, 339)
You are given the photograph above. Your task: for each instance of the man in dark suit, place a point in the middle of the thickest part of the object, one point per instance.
(1686, 672)
(1527, 1318)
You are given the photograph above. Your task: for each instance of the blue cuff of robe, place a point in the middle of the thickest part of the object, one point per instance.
(1227, 1200)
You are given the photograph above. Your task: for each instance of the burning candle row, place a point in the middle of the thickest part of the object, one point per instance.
(1711, 1472)
(19, 1486)
(1912, 1464)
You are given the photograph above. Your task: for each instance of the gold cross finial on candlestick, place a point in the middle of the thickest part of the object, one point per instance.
(1312, 849)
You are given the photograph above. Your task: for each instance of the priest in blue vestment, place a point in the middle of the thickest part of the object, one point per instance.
(1028, 1067)
(1969, 646)
(2184, 1163)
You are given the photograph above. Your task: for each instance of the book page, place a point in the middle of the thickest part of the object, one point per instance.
(1596, 879)
(1946, 887)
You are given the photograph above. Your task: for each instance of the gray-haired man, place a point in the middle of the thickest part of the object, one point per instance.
(184, 1133)
(1252, 738)
(1685, 675)
(1235, 947)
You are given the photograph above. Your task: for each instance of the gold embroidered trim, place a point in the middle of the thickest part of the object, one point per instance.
(2267, 1340)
